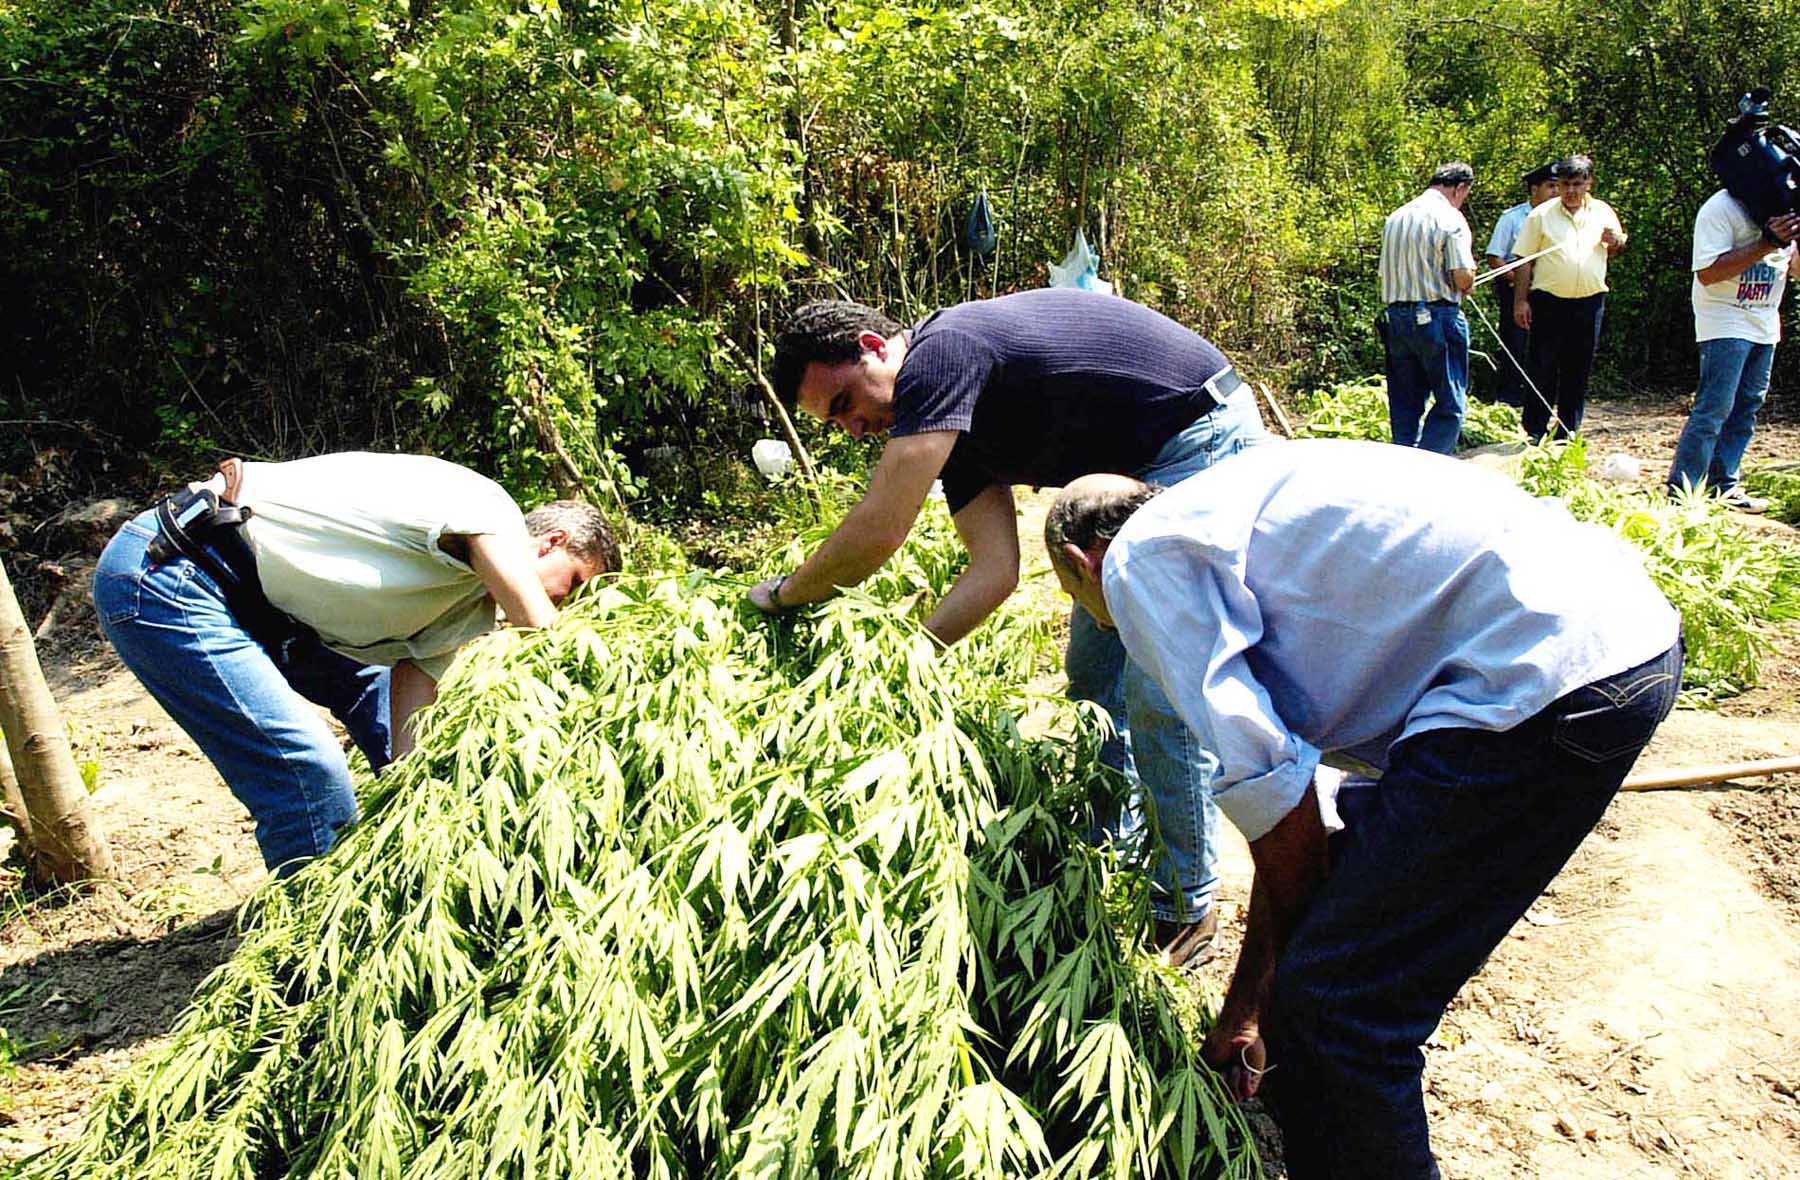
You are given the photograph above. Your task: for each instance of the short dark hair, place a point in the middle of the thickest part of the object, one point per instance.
(1452, 174)
(1574, 167)
(825, 331)
(1084, 519)
(590, 537)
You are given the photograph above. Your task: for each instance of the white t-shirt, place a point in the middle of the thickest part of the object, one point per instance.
(1746, 306)
(348, 545)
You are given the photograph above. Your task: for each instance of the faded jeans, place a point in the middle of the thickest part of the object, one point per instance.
(1427, 360)
(1152, 745)
(1435, 864)
(244, 708)
(1734, 380)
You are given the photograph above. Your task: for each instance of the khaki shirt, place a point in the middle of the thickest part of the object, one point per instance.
(348, 545)
(1578, 269)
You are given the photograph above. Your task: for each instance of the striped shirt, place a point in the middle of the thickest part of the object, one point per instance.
(1421, 243)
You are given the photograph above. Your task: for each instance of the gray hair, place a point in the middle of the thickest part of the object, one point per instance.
(1452, 174)
(1086, 517)
(1574, 167)
(590, 536)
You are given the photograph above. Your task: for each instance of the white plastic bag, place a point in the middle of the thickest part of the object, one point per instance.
(771, 457)
(1620, 468)
(1080, 268)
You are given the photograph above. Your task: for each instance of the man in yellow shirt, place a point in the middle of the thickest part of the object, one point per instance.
(1561, 297)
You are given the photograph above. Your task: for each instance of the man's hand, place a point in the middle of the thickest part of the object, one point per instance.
(1239, 1056)
(1521, 281)
(762, 597)
(1783, 227)
(1614, 240)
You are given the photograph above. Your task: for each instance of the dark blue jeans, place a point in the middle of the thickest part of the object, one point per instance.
(1565, 334)
(1510, 387)
(1429, 360)
(1435, 864)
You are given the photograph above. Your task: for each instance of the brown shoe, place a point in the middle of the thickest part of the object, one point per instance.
(1187, 944)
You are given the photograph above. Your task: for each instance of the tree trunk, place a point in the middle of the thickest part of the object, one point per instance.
(66, 843)
(12, 803)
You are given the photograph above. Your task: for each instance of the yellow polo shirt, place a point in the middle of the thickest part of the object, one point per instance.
(1579, 268)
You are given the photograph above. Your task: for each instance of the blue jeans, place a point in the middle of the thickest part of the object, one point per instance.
(245, 708)
(1435, 864)
(1151, 744)
(1429, 359)
(1734, 380)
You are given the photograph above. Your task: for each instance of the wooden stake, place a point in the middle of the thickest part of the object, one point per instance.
(1696, 776)
(1281, 420)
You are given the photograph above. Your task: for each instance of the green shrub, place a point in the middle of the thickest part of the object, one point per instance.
(1730, 585)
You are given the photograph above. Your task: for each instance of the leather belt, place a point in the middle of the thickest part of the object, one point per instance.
(198, 525)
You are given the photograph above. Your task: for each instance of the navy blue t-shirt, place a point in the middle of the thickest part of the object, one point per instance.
(1049, 385)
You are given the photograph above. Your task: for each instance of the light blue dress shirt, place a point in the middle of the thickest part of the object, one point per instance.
(1335, 595)
(1506, 232)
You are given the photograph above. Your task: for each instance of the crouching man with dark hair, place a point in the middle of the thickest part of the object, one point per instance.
(1036, 388)
(347, 580)
(1501, 663)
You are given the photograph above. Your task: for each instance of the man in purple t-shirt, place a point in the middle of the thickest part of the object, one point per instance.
(1035, 388)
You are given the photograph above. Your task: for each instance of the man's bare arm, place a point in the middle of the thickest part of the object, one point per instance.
(874, 528)
(989, 529)
(410, 689)
(1290, 862)
(1733, 263)
(506, 569)
(1521, 281)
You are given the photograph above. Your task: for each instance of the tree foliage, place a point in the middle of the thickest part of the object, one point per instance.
(518, 232)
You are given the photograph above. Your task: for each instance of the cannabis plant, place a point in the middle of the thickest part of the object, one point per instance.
(669, 890)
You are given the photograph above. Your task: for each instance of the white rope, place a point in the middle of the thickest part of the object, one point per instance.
(1555, 422)
(1513, 265)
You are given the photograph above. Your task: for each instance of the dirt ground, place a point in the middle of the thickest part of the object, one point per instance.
(1643, 1021)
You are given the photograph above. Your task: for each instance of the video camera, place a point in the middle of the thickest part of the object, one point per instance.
(1757, 160)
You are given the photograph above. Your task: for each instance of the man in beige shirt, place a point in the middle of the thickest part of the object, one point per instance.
(1561, 297)
(348, 581)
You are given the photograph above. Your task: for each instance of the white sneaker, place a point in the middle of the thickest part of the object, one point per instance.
(1738, 500)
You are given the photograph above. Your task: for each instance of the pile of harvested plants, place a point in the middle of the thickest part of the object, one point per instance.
(671, 891)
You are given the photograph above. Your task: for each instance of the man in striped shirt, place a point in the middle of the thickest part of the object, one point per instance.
(1427, 266)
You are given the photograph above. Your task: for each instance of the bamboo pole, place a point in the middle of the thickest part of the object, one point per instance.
(1695, 776)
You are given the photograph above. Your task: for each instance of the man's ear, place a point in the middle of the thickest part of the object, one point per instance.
(550, 539)
(874, 342)
(1084, 565)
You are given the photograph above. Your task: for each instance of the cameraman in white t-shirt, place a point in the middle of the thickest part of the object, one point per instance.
(1740, 271)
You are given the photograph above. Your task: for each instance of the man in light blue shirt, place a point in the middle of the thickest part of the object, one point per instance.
(1540, 186)
(1501, 663)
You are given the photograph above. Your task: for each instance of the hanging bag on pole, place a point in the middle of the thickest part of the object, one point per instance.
(979, 235)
